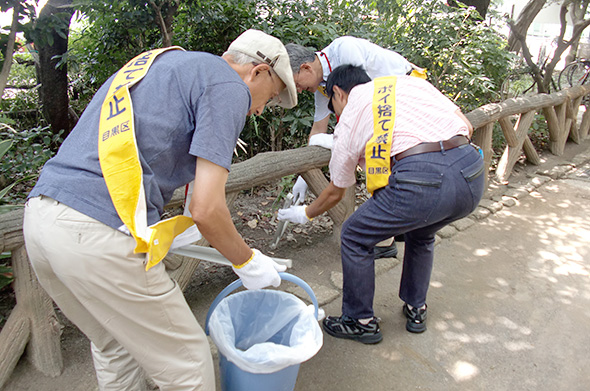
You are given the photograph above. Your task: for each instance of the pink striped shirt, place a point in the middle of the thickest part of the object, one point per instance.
(422, 114)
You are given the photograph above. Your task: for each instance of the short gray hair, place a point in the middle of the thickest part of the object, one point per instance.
(299, 55)
(241, 58)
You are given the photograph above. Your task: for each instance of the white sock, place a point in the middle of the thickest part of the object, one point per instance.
(366, 321)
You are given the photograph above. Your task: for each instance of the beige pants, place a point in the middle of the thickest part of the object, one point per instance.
(135, 319)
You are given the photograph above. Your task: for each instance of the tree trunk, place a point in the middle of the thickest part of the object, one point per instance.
(9, 49)
(579, 8)
(54, 81)
(525, 18)
(164, 14)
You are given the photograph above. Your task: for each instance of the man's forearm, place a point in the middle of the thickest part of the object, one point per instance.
(329, 198)
(218, 228)
(320, 126)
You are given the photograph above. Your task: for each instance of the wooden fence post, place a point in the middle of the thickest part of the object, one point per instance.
(33, 320)
(585, 125)
(515, 138)
(573, 106)
(44, 348)
(555, 131)
(483, 138)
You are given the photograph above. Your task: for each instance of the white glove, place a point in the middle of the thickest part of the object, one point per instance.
(323, 140)
(299, 190)
(294, 214)
(259, 272)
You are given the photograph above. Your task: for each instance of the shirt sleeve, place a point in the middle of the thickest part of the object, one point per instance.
(344, 152)
(220, 117)
(349, 51)
(321, 107)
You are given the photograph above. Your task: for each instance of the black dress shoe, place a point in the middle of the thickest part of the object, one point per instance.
(386, 251)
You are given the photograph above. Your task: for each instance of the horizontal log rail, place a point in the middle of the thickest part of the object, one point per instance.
(33, 326)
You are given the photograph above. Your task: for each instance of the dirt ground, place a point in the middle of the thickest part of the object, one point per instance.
(313, 246)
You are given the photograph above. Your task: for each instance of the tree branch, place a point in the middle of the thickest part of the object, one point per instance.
(165, 22)
(9, 49)
(536, 72)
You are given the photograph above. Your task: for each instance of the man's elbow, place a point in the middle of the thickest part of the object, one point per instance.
(201, 214)
(336, 194)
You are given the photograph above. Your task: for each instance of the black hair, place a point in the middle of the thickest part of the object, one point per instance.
(346, 77)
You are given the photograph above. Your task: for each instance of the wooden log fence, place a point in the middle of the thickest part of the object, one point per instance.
(33, 327)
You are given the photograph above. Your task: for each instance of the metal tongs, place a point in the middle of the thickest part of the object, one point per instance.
(282, 225)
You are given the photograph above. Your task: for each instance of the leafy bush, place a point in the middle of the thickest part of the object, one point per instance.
(466, 58)
(22, 162)
(6, 275)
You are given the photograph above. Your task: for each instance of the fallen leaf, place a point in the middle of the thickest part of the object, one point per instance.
(252, 223)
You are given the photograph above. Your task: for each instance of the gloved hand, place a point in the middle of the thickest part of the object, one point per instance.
(299, 190)
(323, 140)
(259, 272)
(294, 214)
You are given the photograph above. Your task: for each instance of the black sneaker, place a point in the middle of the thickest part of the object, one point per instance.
(416, 322)
(386, 251)
(349, 328)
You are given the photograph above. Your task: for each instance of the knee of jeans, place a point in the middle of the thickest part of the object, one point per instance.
(347, 234)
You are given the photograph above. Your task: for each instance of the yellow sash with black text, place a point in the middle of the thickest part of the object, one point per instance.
(378, 148)
(121, 168)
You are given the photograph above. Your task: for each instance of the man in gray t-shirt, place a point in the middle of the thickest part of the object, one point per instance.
(187, 113)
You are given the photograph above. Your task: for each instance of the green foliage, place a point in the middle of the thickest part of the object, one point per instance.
(25, 152)
(20, 104)
(6, 275)
(210, 26)
(466, 59)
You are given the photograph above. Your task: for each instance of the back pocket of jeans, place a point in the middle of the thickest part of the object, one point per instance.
(426, 179)
(473, 171)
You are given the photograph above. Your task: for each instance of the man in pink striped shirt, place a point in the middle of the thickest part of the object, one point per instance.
(434, 177)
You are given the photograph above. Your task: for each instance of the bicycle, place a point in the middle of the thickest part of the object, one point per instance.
(522, 82)
(574, 74)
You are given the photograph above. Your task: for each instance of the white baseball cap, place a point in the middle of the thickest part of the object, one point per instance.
(271, 51)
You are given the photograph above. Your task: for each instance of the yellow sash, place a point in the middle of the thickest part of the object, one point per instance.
(121, 168)
(419, 73)
(322, 90)
(378, 148)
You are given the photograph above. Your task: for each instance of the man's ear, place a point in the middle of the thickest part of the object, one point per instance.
(305, 66)
(259, 69)
(339, 92)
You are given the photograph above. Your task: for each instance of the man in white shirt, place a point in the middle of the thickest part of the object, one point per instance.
(310, 72)
(423, 173)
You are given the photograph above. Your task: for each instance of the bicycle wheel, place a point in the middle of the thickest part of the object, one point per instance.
(574, 74)
(517, 84)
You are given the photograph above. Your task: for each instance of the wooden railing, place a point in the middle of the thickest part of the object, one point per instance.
(33, 324)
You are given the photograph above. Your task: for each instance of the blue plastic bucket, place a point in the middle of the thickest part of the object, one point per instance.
(234, 378)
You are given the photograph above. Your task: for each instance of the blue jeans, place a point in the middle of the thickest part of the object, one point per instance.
(425, 193)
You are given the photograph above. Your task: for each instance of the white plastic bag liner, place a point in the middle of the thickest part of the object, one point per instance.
(265, 331)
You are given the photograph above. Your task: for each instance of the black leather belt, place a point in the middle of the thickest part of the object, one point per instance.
(451, 143)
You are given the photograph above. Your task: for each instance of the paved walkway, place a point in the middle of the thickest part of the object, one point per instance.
(509, 303)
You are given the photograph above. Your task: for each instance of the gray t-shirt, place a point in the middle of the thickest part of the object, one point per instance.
(189, 105)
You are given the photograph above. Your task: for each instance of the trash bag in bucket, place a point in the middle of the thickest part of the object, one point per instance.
(264, 331)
